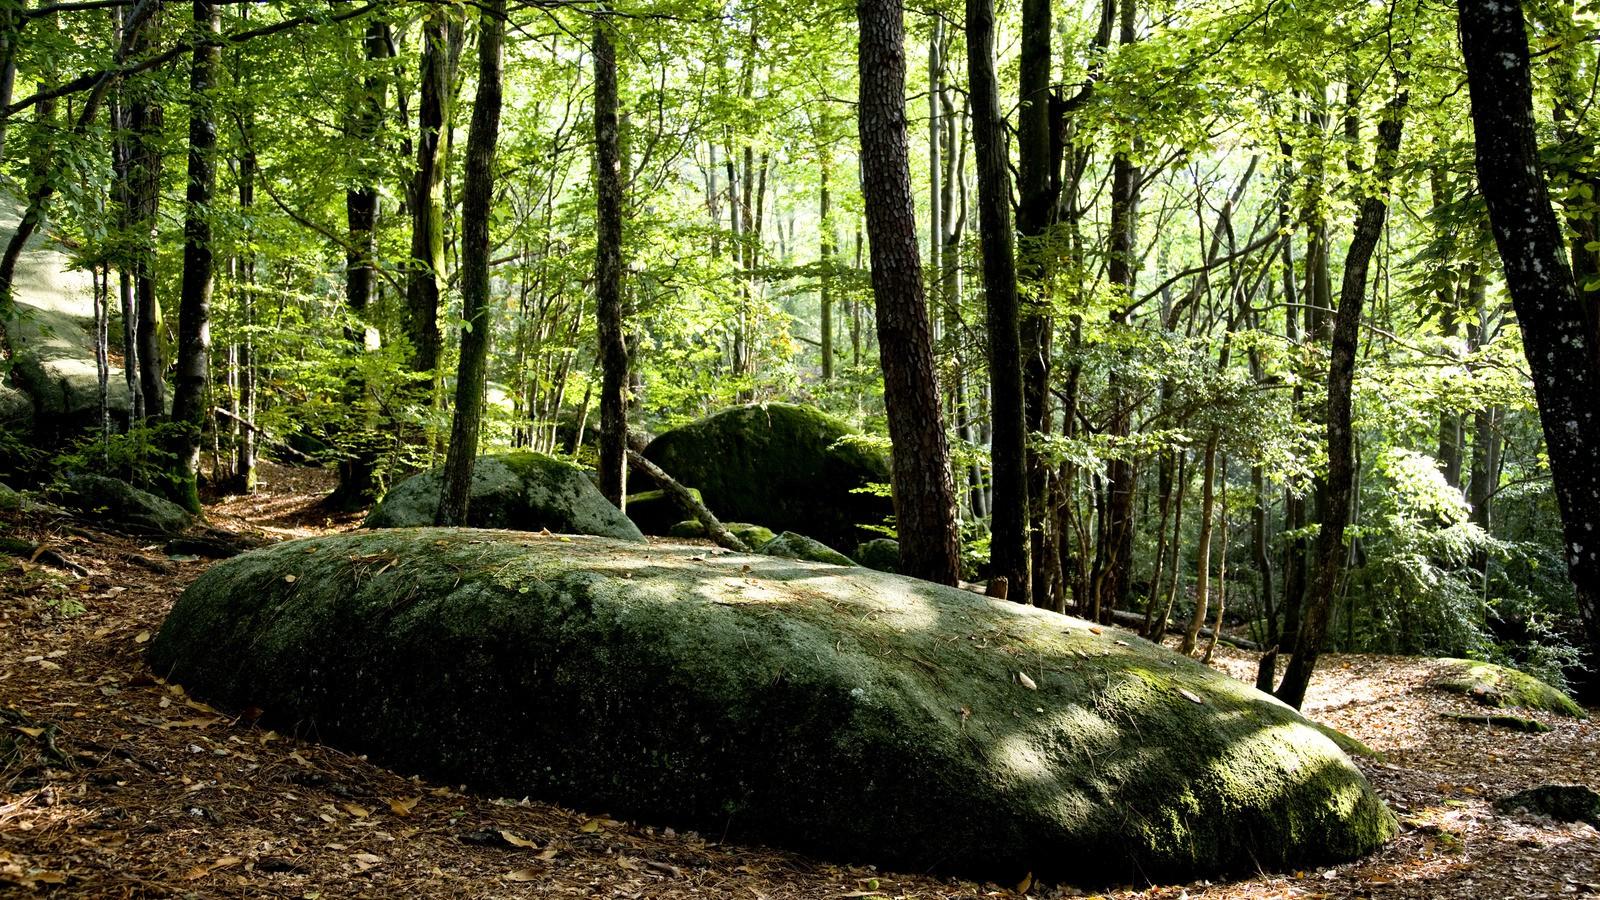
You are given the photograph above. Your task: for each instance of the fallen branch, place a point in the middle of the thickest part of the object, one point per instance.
(685, 500)
(277, 445)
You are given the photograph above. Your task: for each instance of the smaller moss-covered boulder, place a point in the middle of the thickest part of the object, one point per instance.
(119, 505)
(781, 465)
(655, 512)
(1562, 802)
(522, 491)
(882, 554)
(797, 546)
(10, 501)
(1502, 687)
(756, 537)
(688, 528)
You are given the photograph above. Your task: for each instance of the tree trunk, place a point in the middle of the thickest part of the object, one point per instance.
(358, 471)
(924, 495)
(1202, 583)
(1038, 200)
(477, 202)
(613, 349)
(441, 35)
(1339, 483)
(1559, 338)
(189, 407)
(1009, 539)
(1121, 271)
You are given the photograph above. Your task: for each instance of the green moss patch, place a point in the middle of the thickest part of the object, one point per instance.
(1499, 686)
(841, 711)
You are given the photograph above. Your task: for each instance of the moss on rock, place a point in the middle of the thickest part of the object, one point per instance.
(845, 712)
(121, 506)
(882, 554)
(756, 537)
(797, 546)
(1499, 686)
(522, 491)
(784, 466)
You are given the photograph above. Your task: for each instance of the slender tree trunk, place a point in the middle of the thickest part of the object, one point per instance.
(1559, 336)
(826, 257)
(1038, 188)
(924, 495)
(613, 349)
(244, 466)
(358, 470)
(441, 41)
(1121, 272)
(1340, 481)
(477, 202)
(189, 406)
(1202, 583)
(1009, 540)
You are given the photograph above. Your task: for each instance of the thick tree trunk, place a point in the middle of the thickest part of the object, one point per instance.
(924, 495)
(1558, 336)
(1339, 483)
(1009, 542)
(613, 349)
(189, 406)
(477, 202)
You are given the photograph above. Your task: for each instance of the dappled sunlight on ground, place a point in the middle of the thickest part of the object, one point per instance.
(114, 784)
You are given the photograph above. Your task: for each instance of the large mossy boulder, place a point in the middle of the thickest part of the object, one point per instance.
(788, 467)
(522, 491)
(845, 712)
(120, 506)
(1502, 687)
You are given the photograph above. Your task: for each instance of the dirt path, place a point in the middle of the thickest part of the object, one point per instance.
(113, 784)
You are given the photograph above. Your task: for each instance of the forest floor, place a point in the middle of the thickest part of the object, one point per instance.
(115, 784)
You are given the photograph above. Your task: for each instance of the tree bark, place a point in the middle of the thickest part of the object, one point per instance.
(1339, 483)
(1559, 338)
(477, 201)
(441, 42)
(613, 348)
(189, 404)
(358, 470)
(1010, 549)
(924, 495)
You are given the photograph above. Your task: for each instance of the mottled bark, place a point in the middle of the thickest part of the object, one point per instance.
(1559, 337)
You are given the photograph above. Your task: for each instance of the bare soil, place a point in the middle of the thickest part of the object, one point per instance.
(116, 784)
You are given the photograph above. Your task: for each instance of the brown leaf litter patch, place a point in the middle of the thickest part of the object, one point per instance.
(115, 784)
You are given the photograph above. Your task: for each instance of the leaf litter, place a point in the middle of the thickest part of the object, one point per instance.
(110, 786)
